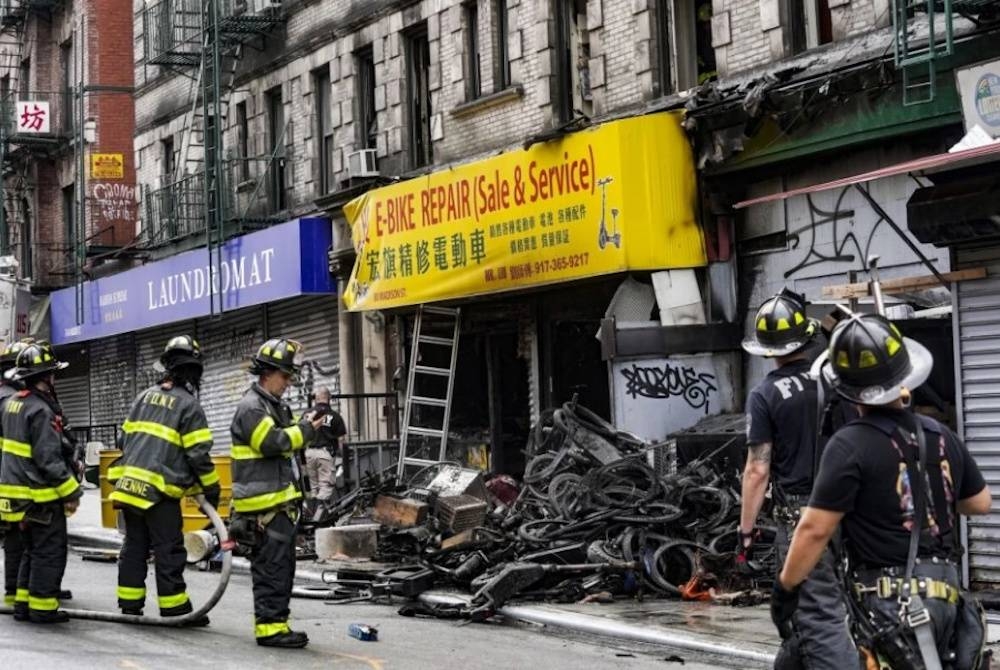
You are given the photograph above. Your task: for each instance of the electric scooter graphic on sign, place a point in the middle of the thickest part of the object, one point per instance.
(604, 237)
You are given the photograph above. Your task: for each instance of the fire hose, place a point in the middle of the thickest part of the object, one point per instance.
(225, 545)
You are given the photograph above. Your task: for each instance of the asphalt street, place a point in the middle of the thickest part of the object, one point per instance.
(404, 643)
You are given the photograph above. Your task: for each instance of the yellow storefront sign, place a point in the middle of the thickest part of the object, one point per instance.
(107, 166)
(619, 196)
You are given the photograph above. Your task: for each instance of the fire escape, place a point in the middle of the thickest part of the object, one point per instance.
(924, 34)
(35, 127)
(208, 191)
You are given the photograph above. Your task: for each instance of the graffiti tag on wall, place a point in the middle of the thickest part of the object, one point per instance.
(666, 381)
(834, 227)
(114, 202)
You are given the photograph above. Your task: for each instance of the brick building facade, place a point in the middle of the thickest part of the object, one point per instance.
(422, 84)
(614, 45)
(66, 56)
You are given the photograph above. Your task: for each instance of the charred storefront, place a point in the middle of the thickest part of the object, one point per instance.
(502, 282)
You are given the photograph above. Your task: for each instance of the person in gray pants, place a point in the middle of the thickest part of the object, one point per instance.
(325, 452)
(781, 436)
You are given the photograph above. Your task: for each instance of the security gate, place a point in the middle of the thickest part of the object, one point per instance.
(976, 323)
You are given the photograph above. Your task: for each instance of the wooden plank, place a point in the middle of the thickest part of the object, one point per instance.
(900, 285)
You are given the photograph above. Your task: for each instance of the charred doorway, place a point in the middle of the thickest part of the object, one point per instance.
(577, 366)
(490, 406)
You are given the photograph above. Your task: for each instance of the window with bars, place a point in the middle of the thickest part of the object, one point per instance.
(418, 55)
(324, 129)
(367, 121)
(501, 52)
(242, 142)
(276, 136)
(473, 74)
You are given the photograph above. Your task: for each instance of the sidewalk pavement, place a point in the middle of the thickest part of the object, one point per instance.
(747, 632)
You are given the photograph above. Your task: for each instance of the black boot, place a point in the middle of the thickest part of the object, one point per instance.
(200, 622)
(20, 611)
(53, 616)
(184, 610)
(132, 611)
(290, 640)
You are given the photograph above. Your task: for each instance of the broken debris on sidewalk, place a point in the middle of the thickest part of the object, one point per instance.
(600, 514)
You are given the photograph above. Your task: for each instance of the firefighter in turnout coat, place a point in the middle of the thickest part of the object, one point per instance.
(266, 486)
(13, 543)
(166, 454)
(37, 486)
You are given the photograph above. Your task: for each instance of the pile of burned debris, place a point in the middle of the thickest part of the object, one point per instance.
(599, 514)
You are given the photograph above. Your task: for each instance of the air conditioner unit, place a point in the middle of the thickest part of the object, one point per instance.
(362, 164)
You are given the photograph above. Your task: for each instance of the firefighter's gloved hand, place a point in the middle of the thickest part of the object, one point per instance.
(744, 546)
(783, 605)
(70, 506)
(212, 495)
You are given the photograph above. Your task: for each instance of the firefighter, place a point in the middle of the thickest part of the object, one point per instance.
(781, 436)
(38, 489)
(267, 487)
(166, 454)
(874, 480)
(13, 544)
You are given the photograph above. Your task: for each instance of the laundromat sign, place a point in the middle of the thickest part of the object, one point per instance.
(619, 196)
(281, 262)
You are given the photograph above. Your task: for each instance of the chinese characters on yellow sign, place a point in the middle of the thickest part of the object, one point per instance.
(107, 166)
(620, 196)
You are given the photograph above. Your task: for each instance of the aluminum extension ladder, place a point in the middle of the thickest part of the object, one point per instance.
(445, 346)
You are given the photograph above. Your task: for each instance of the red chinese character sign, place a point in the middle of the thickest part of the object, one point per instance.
(33, 117)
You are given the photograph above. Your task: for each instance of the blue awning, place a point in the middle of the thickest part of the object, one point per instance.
(280, 262)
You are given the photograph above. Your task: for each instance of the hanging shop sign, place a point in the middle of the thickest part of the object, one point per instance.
(619, 196)
(107, 166)
(281, 262)
(979, 87)
(33, 117)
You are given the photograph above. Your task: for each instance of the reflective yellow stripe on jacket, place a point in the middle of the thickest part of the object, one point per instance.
(295, 435)
(260, 432)
(241, 452)
(21, 449)
(134, 501)
(156, 430)
(39, 495)
(147, 477)
(196, 437)
(266, 500)
(209, 479)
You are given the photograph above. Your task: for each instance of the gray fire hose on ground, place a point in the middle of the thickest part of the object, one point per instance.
(226, 547)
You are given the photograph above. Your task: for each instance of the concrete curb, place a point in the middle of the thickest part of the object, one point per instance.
(608, 628)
